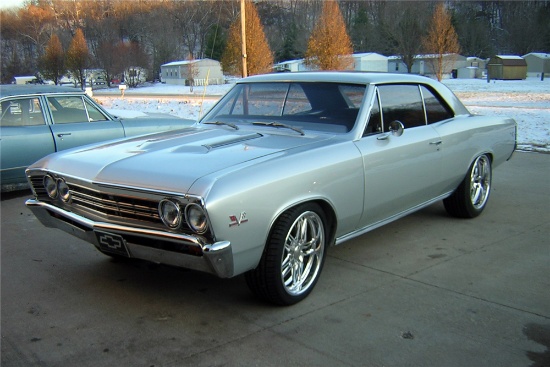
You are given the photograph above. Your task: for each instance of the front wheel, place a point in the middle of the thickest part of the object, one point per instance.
(293, 258)
(470, 198)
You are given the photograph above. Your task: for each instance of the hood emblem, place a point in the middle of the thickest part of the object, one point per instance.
(237, 221)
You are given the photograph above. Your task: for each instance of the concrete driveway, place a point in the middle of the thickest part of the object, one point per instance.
(427, 290)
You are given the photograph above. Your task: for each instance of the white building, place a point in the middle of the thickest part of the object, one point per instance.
(370, 61)
(537, 63)
(424, 64)
(205, 71)
(291, 65)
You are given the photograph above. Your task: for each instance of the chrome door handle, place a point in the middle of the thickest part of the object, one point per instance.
(437, 142)
(63, 134)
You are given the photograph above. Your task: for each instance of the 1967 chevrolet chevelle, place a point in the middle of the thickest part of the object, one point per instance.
(283, 166)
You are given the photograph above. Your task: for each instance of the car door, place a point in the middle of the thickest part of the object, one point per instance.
(24, 136)
(401, 172)
(76, 121)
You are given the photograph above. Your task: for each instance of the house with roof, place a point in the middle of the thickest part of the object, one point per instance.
(370, 61)
(537, 63)
(202, 71)
(291, 65)
(507, 67)
(475, 68)
(425, 64)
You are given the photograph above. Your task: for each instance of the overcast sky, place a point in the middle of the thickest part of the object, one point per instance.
(4, 4)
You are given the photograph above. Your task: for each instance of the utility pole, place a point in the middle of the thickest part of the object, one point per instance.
(243, 38)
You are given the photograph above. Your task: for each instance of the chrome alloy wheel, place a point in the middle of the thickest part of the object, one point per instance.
(303, 253)
(480, 182)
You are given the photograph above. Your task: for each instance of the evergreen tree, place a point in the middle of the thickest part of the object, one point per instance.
(259, 56)
(441, 40)
(329, 47)
(52, 64)
(78, 57)
(215, 43)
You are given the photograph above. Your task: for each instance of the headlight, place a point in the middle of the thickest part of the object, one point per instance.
(170, 213)
(63, 190)
(196, 218)
(51, 186)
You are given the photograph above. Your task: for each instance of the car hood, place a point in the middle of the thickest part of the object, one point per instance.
(170, 161)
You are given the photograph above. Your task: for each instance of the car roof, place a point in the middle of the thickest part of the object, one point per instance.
(27, 89)
(353, 77)
(361, 77)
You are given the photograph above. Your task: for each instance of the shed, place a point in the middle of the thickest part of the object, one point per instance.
(179, 72)
(537, 63)
(507, 67)
(370, 61)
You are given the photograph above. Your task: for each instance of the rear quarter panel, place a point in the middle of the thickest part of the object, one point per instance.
(466, 137)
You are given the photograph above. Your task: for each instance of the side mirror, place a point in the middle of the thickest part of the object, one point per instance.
(396, 128)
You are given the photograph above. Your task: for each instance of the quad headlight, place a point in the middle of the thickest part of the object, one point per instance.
(196, 218)
(56, 188)
(63, 190)
(170, 213)
(50, 185)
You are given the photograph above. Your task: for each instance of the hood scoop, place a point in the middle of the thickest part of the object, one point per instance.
(231, 141)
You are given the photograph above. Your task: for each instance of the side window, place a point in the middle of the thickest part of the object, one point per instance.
(403, 103)
(21, 112)
(375, 119)
(435, 109)
(67, 109)
(94, 113)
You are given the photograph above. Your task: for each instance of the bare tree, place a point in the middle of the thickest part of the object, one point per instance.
(441, 41)
(52, 64)
(329, 46)
(259, 56)
(191, 72)
(131, 60)
(408, 20)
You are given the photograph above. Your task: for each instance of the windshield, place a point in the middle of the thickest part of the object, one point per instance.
(326, 107)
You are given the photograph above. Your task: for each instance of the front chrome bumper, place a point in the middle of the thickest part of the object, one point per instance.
(174, 249)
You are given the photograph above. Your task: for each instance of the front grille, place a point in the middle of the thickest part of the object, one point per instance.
(105, 204)
(115, 205)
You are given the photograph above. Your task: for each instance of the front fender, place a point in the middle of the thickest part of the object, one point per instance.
(243, 204)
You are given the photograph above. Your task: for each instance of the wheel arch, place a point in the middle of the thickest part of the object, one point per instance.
(326, 207)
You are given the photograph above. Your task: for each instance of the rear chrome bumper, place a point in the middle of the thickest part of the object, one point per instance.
(174, 249)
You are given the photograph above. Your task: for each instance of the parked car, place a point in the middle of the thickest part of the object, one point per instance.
(283, 166)
(38, 120)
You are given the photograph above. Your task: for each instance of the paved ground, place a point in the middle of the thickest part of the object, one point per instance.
(427, 290)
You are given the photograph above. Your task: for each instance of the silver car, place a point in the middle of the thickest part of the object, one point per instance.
(36, 120)
(283, 166)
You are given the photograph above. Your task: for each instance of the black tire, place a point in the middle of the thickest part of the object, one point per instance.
(471, 196)
(291, 265)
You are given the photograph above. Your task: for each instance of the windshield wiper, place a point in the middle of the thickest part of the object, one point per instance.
(222, 123)
(278, 124)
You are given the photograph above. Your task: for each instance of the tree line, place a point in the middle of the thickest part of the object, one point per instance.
(148, 33)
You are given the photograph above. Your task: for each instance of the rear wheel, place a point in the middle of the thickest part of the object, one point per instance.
(293, 258)
(470, 198)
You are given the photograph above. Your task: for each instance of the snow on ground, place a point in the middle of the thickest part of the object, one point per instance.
(527, 101)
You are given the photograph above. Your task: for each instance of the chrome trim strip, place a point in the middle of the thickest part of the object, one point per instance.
(373, 226)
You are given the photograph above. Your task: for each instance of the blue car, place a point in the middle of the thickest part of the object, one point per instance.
(36, 120)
